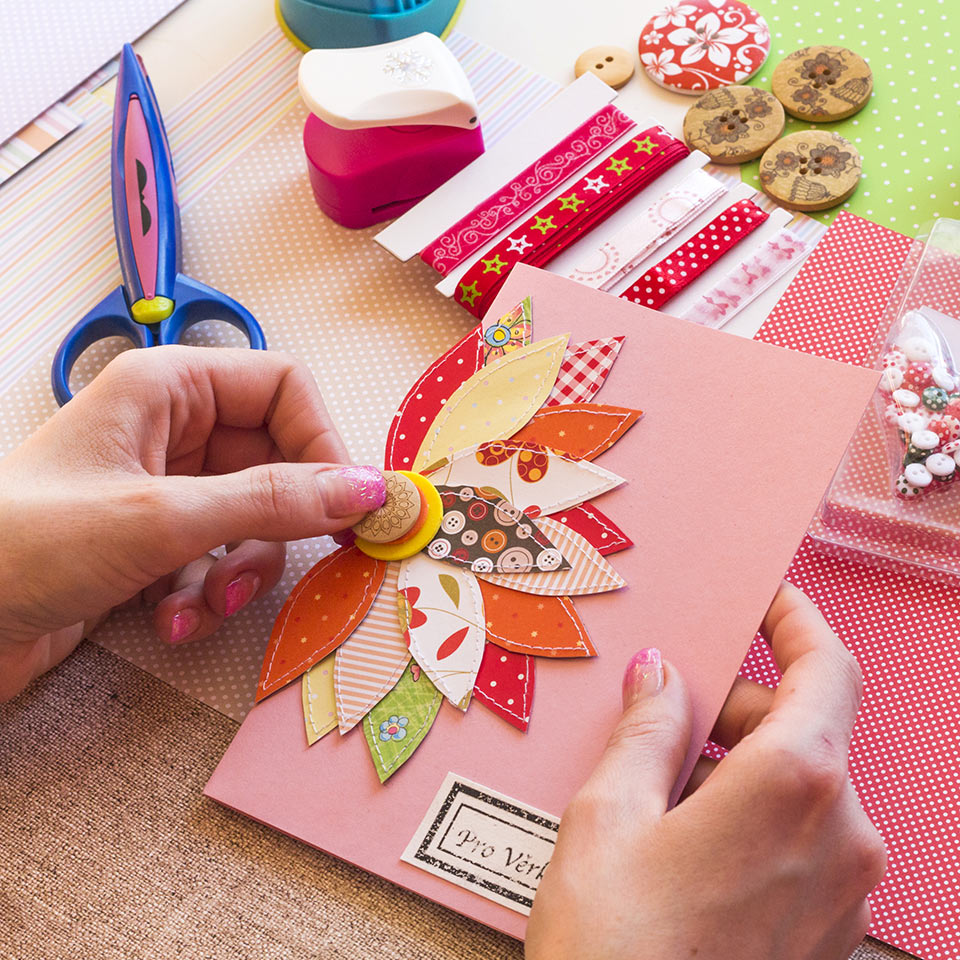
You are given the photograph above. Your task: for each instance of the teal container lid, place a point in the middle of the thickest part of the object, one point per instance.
(362, 23)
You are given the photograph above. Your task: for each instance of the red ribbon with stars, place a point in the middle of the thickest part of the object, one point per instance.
(666, 279)
(566, 219)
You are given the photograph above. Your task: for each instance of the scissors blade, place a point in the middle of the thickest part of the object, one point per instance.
(146, 214)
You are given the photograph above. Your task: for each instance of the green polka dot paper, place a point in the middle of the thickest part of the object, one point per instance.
(907, 133)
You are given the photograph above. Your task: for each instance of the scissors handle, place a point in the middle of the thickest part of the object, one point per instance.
(197, 302)
(109, 318)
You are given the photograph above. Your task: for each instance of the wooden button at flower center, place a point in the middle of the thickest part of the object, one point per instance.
(821, 83)
(810, 170)
(733, 124)
(398, 515)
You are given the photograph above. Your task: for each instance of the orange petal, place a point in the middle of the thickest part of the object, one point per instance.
(535, 625)
(325, 607)
(581, 431)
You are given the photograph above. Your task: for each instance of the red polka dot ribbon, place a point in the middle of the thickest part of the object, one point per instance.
(667, 278)
(567, 218)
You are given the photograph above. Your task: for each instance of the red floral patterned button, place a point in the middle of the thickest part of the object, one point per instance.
(703, 44)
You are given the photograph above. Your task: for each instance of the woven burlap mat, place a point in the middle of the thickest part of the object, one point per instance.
(109, 851)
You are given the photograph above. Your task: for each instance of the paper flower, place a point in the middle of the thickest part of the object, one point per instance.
(491, 591)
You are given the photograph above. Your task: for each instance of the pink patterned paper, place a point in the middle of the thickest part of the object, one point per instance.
(472, 232)
(903, 630)
(747, 280)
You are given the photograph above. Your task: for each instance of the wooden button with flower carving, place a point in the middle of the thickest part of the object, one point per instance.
(822, 83)
(398, 515)
(810, 170)
(733, 124)
(699, 45)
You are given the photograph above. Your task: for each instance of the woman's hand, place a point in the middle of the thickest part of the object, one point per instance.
(769, 854)
(168, 454)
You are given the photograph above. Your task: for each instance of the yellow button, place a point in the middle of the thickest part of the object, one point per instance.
(152, 310)
(428, 524)
(613, 65)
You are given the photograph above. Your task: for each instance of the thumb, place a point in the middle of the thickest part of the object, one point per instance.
(647, 748)
(276, 501)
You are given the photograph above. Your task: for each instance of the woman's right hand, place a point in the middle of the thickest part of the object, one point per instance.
(769, 855)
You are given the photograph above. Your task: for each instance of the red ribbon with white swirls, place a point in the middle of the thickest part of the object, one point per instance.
(497, 212)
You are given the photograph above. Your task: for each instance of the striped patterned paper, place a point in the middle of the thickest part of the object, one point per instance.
(35, 138)
(370, 661)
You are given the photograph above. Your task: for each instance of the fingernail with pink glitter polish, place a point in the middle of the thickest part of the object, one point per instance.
(349, 491)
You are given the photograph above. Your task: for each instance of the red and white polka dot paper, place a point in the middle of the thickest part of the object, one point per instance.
(703, 44)
(903, 630)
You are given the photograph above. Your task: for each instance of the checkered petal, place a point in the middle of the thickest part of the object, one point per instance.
(583, 370)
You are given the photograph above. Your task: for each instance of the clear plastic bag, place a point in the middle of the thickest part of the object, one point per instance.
(895, 499)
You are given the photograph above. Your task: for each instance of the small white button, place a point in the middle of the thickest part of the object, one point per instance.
(924, 439)
(918, 475)
(911, 422)
(942, 378)
(906, 398)
(940, 465)
(917, 348)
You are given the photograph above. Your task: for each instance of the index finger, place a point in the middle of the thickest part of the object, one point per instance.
(821, 686)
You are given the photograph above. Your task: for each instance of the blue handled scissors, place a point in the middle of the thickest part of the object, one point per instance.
(156, 303)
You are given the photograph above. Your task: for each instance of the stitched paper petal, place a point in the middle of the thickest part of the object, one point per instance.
(512, 331)
(427, 397)
(446, 639)
(596, 528)
(495, 402)
(505, 684)
(580, 431)
(396, 726)
(589, 572)
(583, 370)
(532, 479)
(370, 661)
(538, 626)
(319, 701)
(484, 532)
(323, 609)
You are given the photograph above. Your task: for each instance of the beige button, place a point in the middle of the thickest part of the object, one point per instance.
(398, 515)
(822, 83)
(810, 170)
(733, 124)
(613, 65)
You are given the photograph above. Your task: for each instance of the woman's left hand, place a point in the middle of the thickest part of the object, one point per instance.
(168, 454)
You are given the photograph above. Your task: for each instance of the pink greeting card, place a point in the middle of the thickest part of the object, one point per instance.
(714, 485)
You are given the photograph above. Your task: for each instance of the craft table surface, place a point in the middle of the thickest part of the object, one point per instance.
(108, 847)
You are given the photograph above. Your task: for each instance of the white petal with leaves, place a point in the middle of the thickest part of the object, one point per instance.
(442, 611)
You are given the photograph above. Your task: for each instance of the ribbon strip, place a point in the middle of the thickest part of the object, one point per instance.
(565, 219)
(497, 212)
(747, 280)
(603, 267)
(667, 278)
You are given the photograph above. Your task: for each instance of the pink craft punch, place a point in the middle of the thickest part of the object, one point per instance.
(388, 124)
